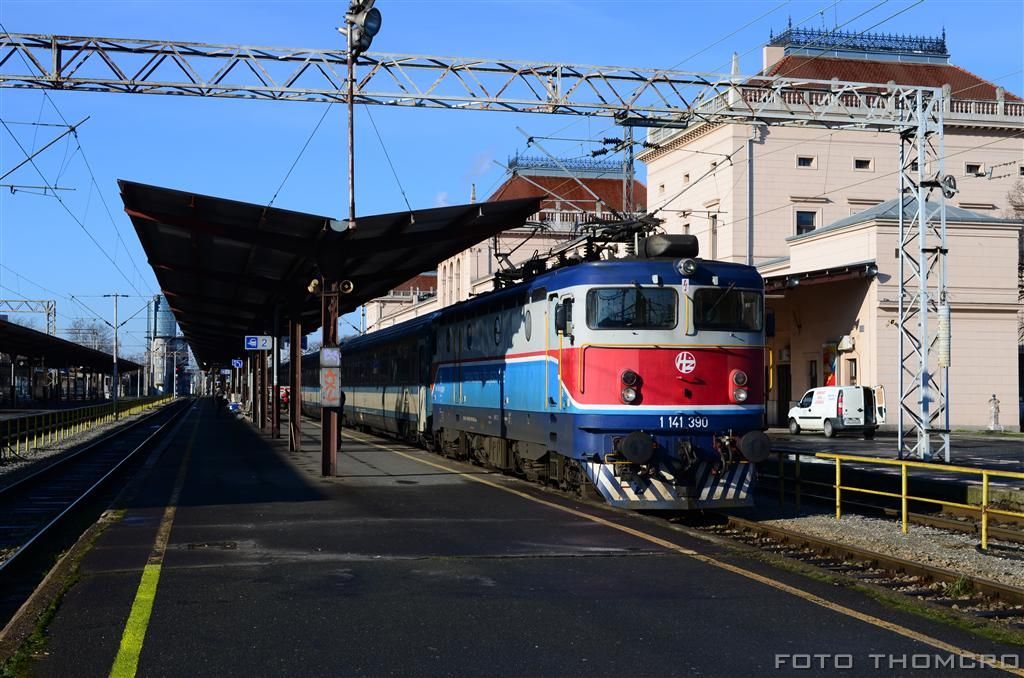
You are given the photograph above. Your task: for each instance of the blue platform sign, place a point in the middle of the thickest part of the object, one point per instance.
(258, 343)
(237, 363)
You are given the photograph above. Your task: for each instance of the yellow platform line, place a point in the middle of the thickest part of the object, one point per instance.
(709, 560)
(127, 661)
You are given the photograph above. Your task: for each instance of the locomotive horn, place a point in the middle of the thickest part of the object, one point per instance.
(346, 286)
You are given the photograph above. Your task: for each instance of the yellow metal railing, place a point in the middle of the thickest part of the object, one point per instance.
(22, 434)
(985, 474)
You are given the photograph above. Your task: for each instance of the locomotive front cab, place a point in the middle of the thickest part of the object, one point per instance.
(663, 368)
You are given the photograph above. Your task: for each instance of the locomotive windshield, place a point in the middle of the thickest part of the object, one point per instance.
(644, 308)
(728, 310)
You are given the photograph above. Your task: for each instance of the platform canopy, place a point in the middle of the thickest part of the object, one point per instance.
(55, 352)
(226, 267)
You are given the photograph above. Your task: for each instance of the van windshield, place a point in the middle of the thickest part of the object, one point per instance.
(647, 308)
(727, 309)
(806, 400)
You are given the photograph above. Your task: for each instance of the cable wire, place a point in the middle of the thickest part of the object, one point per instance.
(299, 156)
(386, 155)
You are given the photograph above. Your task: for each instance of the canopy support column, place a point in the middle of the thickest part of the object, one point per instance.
(295, 401)
(275, 366)
(329, 415)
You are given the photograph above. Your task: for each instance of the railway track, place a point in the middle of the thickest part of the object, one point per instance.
(976, 596)
(951, 518)
(38, 505)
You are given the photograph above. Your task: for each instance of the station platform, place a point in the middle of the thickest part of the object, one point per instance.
(406, 563)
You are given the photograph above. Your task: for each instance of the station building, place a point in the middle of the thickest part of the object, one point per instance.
(825, 216)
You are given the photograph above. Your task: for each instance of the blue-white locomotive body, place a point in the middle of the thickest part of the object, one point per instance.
(640, 378)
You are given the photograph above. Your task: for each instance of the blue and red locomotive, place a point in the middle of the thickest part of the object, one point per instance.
(641, 378)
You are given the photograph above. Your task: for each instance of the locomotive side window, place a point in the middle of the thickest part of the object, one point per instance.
(469, 335)
(646, 308)
(528, 324)
(728, 310)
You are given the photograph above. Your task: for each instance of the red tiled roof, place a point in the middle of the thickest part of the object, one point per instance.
(423, 282)
(964, 84)
(564, 188)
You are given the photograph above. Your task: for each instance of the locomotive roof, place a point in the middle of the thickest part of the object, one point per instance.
(611, 272)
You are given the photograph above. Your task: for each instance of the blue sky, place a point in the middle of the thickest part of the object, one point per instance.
(242, 150)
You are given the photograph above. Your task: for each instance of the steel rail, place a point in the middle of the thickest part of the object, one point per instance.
(38, 534)
(1003, 592)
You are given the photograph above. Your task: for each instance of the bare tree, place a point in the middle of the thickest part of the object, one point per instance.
(91, 333)
(1016, 199)
(25, 321)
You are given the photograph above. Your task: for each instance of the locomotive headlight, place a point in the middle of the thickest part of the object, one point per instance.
(739, 377)
(629, 395)
(739, 395)
(630, 378)
(688, 267)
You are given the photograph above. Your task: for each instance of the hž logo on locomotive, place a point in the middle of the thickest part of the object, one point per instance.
(686, 362)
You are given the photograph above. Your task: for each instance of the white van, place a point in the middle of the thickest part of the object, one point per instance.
(839, 408)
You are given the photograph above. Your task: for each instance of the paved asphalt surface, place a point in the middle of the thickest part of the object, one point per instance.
(398, 568)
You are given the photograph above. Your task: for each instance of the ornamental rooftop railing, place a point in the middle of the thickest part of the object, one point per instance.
(869, 42)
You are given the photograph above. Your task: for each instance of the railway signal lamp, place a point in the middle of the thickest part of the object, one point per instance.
(363, 21)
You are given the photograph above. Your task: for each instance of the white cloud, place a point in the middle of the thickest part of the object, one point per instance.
(441, 199)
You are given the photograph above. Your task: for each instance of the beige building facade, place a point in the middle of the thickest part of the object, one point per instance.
(824, 227)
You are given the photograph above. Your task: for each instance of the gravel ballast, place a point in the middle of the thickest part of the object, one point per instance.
(1004, 562)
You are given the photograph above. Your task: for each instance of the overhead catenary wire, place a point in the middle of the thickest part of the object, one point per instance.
(299, 156)
(384, 148)
(92, 176)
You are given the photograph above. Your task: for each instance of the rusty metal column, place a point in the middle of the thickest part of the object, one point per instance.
(329, 416)
(263, 390)
(295, 399)
(275, 367)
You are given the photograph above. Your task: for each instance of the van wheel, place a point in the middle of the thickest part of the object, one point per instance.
(794, 428)
(869, 434)
(830, 429)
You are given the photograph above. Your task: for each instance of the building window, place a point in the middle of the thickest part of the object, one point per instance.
(714, 164)
(915, 166)
(805, 221)
(806, 161)
(973, 169)
(863, 164)
(851, 371)
(661, 188)
(812, 374)
(686, 177)
(1020, 170)
(686, 229)
(714, 236)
